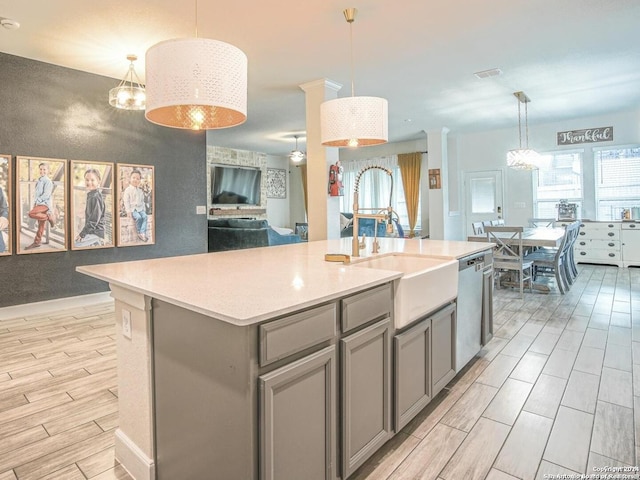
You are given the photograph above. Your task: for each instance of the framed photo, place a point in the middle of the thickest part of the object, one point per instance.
(41, 197)
(135, 205)
(5, 205)
(92, 205)
(276, 183)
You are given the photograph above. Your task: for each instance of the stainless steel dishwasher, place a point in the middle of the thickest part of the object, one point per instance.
(474, 318)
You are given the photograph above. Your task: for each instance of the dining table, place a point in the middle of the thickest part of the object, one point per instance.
(532, 237)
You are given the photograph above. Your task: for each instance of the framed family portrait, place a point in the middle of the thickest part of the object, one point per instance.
(92, 204)
(135, 205)
(41, 197)
(5, 205)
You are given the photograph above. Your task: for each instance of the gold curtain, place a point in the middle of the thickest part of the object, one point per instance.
(409, 164)
(303, 173)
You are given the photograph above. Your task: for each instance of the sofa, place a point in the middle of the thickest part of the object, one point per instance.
(365, 226)
(238, 233)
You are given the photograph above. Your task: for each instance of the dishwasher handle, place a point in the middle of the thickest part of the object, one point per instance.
(477, 263)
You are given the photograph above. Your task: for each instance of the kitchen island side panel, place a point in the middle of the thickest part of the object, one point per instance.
(205, 396)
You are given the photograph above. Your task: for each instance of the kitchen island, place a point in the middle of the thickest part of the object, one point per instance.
(228, 362)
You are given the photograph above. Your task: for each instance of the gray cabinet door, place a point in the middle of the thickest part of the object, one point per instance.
(443, 354)
(412, 355)
(366, 393)
(298, 419)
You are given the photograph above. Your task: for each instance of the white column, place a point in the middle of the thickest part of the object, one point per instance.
(323, 213)
(438, 198)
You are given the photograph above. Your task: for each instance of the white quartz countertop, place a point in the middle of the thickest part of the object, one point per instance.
(245, 287)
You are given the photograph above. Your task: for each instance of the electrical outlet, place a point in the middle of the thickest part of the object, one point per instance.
(201, 210)
(126, 323)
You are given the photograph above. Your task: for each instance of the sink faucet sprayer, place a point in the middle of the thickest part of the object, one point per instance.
(383, 214)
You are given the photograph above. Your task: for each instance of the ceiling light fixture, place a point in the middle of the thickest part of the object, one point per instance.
(296, 155)
(523, 158)
(354, 121)
(130, 94)
(196, 83)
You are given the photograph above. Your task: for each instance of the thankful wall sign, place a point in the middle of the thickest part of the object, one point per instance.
(588, 135)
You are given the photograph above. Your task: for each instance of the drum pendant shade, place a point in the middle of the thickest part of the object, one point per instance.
(196, 83)
(354, 122)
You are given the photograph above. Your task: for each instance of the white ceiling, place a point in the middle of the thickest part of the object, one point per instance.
(573, 58)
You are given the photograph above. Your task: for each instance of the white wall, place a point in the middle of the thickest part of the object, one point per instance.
(278, 210)
(468, 152)
(487, 151)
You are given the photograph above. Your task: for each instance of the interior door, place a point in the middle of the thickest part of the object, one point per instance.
(484, 197)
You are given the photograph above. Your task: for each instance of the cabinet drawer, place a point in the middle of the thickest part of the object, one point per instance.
(284, 337)
(366, 306)
(585, 244)
(601, 234)
(631, 226)
(601, 226)
(597, 254)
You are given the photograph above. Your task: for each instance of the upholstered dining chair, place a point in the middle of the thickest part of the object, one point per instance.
(508, 255)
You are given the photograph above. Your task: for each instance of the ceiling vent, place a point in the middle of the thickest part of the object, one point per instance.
(494, 72)
(9, 23)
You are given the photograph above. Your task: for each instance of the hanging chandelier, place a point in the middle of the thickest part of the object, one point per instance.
(354, 121)
(523, 158)
(130, 93)
(296, 155)
(196, 83)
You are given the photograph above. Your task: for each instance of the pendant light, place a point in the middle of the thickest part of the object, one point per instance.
(296, 155)
(523, 158)
(130, 94)
(196, 83)
(354, 121)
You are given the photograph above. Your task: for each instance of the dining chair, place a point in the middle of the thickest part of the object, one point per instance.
(556, 262)
(498, 222)
(570, 263)
(542, 222)
(478, 228)
(508, 255)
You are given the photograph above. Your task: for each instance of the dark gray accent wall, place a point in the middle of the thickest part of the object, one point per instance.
(56, 112)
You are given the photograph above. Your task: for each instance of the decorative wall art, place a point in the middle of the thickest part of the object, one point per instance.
(135, 205)
(91, 205)
(5, 205)
(276, 183)
(41, 198)
(434, 179)
(586, 135)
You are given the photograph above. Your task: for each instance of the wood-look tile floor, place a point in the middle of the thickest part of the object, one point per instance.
(557, 391)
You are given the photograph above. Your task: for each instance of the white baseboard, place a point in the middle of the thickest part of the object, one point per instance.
(134, 460)
(37, 308)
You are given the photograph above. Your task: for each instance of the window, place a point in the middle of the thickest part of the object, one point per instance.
(374, 192)
(483, 196)
(617, 181)
(559, 177)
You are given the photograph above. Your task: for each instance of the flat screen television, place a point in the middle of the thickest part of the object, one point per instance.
(231, 185)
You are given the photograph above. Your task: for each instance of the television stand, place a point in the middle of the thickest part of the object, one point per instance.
(236, 212)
